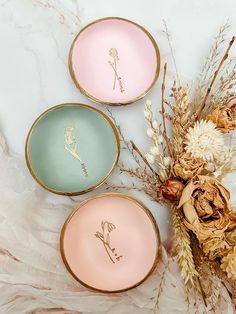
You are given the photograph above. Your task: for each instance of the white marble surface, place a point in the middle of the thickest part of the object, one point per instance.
(35, 37)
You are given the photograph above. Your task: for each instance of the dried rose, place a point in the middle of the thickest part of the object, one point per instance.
(224, 116)
(207, 212)
(228, 263)
(216, 247)
(186, 166)
(172, 189)
(231, 237)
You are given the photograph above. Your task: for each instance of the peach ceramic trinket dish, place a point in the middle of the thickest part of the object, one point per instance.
(110, 243)
(114, 61)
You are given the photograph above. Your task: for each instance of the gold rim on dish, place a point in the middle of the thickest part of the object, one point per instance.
(83, 91)
(150, 216)
(115, 132)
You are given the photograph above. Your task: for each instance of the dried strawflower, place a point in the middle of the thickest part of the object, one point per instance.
(186, 166)
(228, 263)
(204, 141)
(224, 116)
(207, 212)
(172, 189)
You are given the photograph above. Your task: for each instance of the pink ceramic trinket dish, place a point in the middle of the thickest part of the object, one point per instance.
(114, 61)
(110, 243)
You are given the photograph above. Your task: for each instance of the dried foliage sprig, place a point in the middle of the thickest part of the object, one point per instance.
(211, 275)
(210, 64)
(150, 183)
(68, 18)
(181, 118)
(225, 56)
(166, 32)
(136, 149)
(126, 144)
(226, 85)
(163, 112)
(162, 284)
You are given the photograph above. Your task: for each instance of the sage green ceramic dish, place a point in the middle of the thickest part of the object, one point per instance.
(72, 148)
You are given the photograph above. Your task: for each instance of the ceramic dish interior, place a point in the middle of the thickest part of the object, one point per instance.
(114, 61)
(72, 148)
(110, 243)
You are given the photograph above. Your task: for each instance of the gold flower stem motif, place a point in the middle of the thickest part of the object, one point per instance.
(116, 76)
(73, 153)
(105, 246)
(113, 53)
(114, 84)
(72, 147)
(104, 237)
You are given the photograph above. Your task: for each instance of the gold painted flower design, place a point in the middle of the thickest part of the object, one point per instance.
(105, 237)
(113, 53)
(72, 147)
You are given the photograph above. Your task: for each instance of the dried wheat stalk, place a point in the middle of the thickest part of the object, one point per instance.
(183, 250)
(211, 63)
(163, 112)
(225, 56)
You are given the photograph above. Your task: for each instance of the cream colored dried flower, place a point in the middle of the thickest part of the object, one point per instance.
(155, 155)
(150, 132)
(147, 114)
(148, 104)
(204, 141)
(228, 263)
(167, 161)
(150, 158)
(154, 150)
(155, 124)
(160, 139)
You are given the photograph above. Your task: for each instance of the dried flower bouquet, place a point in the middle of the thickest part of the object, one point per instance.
(184, 169)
